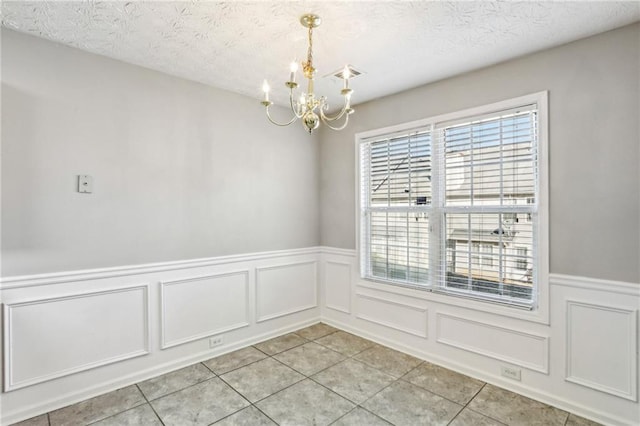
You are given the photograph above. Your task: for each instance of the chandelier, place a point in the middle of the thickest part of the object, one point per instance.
(310, 109)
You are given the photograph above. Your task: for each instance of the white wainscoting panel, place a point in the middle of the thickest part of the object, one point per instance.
(407, 318)
(202, 306)
(337, 280)
(609, 362)
(53, 337)
(286, 289)
(505, 344)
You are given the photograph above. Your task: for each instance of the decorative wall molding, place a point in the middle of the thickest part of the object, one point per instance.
(7, 283)
(286, 283)
(205, 313)
(12, 309)
(337, 251)
(420, 320)
(397, 319)
(343, 285)
(434, 297)
(515, 340)
(630, 289)
(609, 363)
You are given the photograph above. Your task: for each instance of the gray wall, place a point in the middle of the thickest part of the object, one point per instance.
(594, 144)
(181, 170)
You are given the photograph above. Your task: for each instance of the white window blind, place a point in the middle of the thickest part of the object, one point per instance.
(488, 180)
(396, 199)
(453, 205)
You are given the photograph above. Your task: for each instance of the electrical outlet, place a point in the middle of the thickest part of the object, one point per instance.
(215, 341)
(511, 372)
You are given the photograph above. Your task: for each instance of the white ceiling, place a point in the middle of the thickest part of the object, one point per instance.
(234, 45)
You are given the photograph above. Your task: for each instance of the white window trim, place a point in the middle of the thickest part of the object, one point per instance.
(541, 313)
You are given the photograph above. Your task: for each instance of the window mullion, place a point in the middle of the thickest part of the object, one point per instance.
(436, 244)
(410, 195)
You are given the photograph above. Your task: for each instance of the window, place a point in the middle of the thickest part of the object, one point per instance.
(398, 193)
(487, 258)
(451, 204)
(521, 260)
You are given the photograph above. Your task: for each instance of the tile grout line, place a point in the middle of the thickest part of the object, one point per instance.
(344, 415)
(347, 357)
(265, 414)
(179, 390)
(466, 406)
(445, 397)
(255, 362)
(239, 367)
(118, 413)
(233, 389)
(306, 377)
(317, 372)
(468, 402)
(396, 380)
(314, 381)
(252, 404)
(374, 414)
(261, 399)
(149, 402)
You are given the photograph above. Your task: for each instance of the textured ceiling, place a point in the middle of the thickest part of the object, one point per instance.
(234, 45)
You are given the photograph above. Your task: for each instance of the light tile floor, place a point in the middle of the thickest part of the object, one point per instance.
(316, 376)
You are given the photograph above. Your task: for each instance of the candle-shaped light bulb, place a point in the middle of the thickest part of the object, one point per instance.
(265, 89)
(346, 73)
(293, 68)
(302, 99)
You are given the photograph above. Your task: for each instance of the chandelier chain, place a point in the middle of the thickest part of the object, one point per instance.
(310, 50)
(307, 67)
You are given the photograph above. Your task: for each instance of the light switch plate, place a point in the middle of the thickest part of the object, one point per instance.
(85, 184)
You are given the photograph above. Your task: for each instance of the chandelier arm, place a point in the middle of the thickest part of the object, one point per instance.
(326, 118)
(326, 123)
(280, 124)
